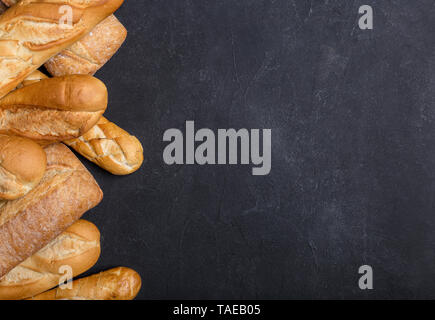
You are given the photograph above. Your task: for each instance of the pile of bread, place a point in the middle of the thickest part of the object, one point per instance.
(44, 188)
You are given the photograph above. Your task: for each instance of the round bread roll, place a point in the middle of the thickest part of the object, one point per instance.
(22, 166)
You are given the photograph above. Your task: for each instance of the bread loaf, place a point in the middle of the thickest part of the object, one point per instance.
(54, 109)
(92, 52)
(106, 144)
(33, 31)
(115, 284)
(22, 165)
(64, 194)
(110, 147)
(89, 54)
(78, 247)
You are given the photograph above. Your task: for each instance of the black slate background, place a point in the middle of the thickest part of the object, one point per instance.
(353, 173)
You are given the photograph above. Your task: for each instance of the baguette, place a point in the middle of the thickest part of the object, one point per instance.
(106, 144)
(33, 31)
(54, 109)
(78, 247)
(64, 194)
(22, 165)
(89, 54)
(110, 147)
(92, 52)
(115, 284)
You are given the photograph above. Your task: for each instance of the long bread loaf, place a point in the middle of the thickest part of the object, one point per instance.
(110, 147)
(64, 194)
(106, 144)
(33, 31)
(92, 52)
(54, 109)
(78, 248)
(89, 54)
(115, 284)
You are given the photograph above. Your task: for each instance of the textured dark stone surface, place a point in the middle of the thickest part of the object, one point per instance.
(353, 174)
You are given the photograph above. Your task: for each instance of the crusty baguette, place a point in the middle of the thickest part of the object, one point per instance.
(78, 247)
(89, 54)
(64, 194)
(92, 52)
(54, 109)
(33, 31)
(106, 144)
(22, 166)
(110, 147)
(115, 284)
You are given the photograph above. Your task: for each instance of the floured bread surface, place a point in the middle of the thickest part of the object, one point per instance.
(78, 247)
(110, 147)
(33, 31)
(64, 194)
(89, 54)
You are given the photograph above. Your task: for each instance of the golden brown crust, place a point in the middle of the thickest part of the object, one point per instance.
(89, 54)
(77, 247)
(33, 31)
(115, 284)
(22, 166)
(54, 109)
(110, 147)
(106, 144)
(70, 93)
(64, 194)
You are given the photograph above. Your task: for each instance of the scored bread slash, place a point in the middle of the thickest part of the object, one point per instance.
(110, 147)
(114, 284)
(105, 144)
(39, 232)
(78, 248)
(89, 54)
(64, 194)
(33, 31)
(54, 109)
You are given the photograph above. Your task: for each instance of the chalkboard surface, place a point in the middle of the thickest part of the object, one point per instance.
(352, 114)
